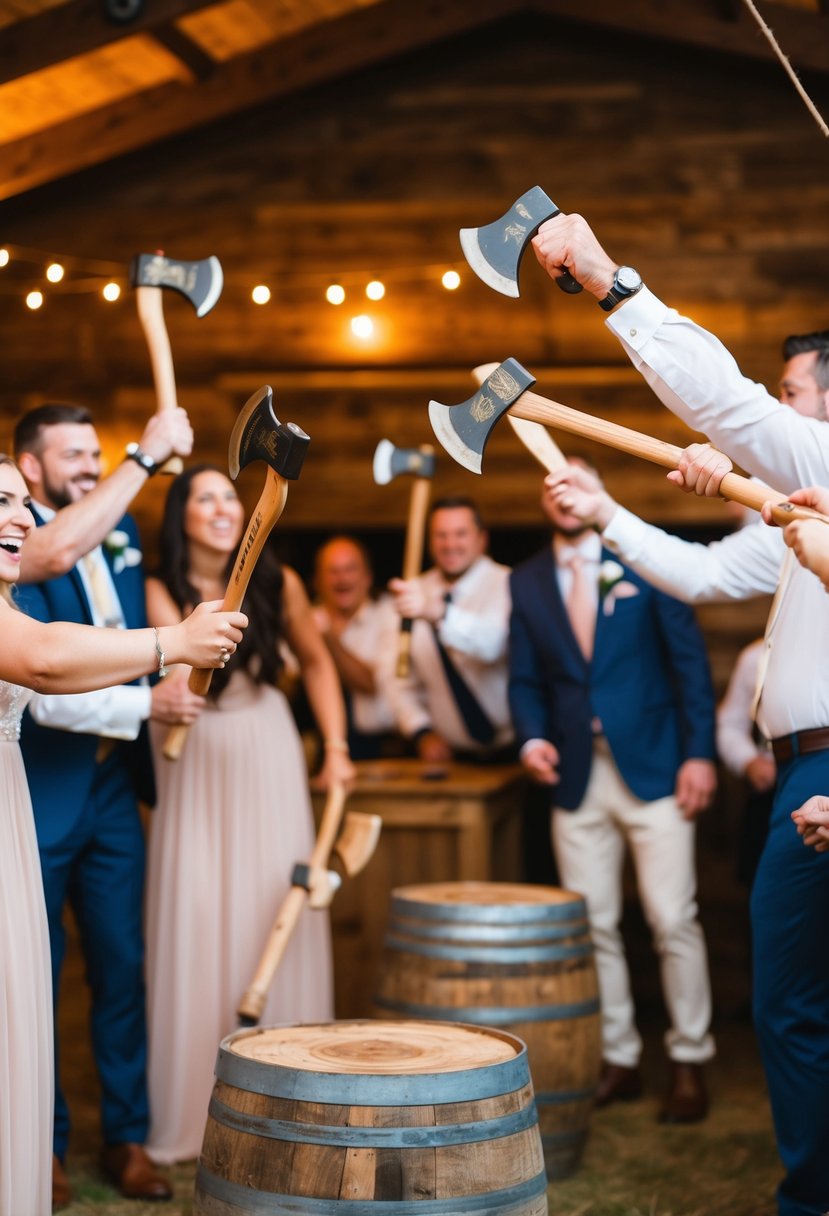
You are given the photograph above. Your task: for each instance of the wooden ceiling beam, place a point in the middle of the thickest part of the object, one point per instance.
(804, 36)
(197, 63)
(75, 28)
(363, 38)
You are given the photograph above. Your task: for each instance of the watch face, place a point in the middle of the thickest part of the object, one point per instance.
(628, 279)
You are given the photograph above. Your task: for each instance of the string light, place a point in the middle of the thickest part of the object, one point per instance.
(375, 290)
(335, 294)
(54, 272)
(260, 294)
(451, 280)
(111, 292)
(34, 300)
(4, 257)
(362, 326)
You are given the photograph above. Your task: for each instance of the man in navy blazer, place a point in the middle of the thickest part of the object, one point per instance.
(621, 727)
(87, 761)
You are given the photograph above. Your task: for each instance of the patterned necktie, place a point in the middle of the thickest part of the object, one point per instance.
(476, 719)
(581, 605)
(106, 606)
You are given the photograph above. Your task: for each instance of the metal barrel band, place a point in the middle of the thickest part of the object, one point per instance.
(437, 1136)
(492, 954)
(491, 1015)
(492, 914)
(486, 933)
(494, 1203)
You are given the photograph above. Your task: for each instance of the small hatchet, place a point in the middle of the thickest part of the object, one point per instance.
(535, 437)
(390, 462)
(257, 435)
(464, 430)
(495, 252)
(201, 283)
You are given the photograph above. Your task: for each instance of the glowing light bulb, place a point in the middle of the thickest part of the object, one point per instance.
(4, 257)
(111, 292)
(34, 299)
(260, 294)
(54, 272)
(362, 326)
(335, 294)
(451, 280)
(375, 290)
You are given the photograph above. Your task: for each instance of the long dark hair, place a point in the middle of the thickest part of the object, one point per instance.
(258, 653)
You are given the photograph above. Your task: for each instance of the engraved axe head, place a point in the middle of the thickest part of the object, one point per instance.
(201, 282)
(464, 429)
(259, 435)
(495, 252)
(390, 462)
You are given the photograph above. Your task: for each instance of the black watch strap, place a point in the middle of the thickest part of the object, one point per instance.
(136, 453)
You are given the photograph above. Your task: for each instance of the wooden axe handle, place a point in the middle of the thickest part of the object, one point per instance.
(265, 514)
(412, 559)
(150, 303)
(739, 489)
(253, 1002)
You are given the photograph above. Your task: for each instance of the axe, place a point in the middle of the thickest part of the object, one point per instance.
(201, 283)
(535, 437)
(390, 462)
(257, 435)
(313, 882)
(464, 430)
(495, 252)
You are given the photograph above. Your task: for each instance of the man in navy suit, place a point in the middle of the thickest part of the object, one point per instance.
(613, 706)
(87, 761)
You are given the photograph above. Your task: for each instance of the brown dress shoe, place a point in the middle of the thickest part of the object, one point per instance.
(618, 1084)
(686, 1100)
(61, 1191)
(135, 1176)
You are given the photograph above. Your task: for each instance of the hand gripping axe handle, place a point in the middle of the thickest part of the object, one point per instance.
(200, 283)
(315, 884)
(257, 435)
(465, 428)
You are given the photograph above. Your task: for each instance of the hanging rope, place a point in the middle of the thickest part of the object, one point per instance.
(775, 45)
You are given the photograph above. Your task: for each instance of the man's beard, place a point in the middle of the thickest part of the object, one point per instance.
(59, 495)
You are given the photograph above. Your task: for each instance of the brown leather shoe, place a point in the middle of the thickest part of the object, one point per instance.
(61, 1191)
(135, 1176)
(686, 1100)
(618, 1084)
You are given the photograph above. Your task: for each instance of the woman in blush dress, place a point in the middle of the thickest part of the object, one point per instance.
(232, 818)
(50, 658)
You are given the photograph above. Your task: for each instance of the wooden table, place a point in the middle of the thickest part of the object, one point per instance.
(440, 824)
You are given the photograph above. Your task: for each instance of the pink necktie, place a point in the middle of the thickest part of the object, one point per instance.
(581, 606)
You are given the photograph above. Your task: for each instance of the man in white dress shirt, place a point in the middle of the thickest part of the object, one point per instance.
(361, 633)
(698, 380)
(453, 703)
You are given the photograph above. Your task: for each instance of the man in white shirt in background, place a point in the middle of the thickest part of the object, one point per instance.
(698, 380)
(361, 633)
(453, 704)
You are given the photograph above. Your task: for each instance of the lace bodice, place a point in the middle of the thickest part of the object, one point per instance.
(13, 700)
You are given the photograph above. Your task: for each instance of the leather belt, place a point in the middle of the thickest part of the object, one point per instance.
(800, 743)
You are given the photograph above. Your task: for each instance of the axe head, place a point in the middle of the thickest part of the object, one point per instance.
(464, 429)
(495, 252)
(201, 282)
(390, 462)
(259, 435)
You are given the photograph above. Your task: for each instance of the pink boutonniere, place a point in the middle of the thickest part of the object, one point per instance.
(613, 586)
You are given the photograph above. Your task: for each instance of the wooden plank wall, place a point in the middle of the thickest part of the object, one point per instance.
(703, 170)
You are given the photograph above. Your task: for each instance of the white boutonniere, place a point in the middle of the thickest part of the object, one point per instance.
(117, 544)
(613, 586)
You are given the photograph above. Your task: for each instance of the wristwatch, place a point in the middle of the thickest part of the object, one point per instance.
(626, 283)
(134, 452)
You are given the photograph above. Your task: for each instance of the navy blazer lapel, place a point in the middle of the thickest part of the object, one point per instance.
(74, 580)
(551, 597)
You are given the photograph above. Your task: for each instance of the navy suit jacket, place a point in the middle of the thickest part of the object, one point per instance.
(648, 682)
(60, 764)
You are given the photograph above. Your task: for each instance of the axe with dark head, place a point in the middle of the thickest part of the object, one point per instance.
(464, 430)
(201, 283)
(257, 435)
(495, 252)
(535, 437)
(391, 462)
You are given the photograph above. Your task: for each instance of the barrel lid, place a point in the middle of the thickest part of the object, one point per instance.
(488, 902)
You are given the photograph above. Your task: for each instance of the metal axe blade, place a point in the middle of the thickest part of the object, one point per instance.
(200, 282)
(463, 430)
(390, 462)
(259, 435)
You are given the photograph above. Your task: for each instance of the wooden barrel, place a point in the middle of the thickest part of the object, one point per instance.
(372, 1118)
(514, 956)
